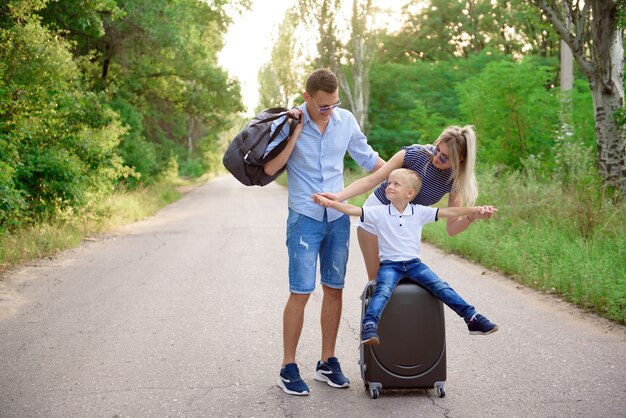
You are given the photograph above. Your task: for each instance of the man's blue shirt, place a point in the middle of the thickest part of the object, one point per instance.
(316, 163)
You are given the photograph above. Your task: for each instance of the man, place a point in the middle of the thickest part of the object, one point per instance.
(314, 158)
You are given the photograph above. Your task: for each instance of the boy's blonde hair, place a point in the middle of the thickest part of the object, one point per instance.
(415, 182)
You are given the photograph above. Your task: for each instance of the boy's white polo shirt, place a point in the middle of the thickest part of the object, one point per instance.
(399, 234)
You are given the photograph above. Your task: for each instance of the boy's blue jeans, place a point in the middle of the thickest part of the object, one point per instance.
(390, 274)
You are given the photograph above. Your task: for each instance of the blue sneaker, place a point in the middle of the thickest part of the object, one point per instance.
(330, 372)
(479, 325)
(369, 334)
(291, 382)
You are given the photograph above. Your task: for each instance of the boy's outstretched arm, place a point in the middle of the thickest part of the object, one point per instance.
(346, 208)
(470, 212)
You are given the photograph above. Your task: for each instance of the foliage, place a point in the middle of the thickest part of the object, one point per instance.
(513, 109)
(162, 75)
(350, 60)
(422, 102)
(281, 80)
(103, 93)
(592, 30)
(443, 29)
(59, 139)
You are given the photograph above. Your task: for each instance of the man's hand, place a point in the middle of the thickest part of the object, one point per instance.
(295, 114)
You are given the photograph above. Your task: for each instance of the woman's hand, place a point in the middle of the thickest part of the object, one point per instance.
(485, 212)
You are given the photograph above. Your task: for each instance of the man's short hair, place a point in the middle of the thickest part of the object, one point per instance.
(322, 79)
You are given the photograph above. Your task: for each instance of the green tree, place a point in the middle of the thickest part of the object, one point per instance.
(281, 80)
(162, 76)
(515, 113)
(441, 29)
(595, 38)
(57, 139)
(412, 103)
(350, 60)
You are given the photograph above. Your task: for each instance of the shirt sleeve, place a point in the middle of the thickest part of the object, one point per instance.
(358, 148)
(284, 133)
(369, 216)
(427, 214)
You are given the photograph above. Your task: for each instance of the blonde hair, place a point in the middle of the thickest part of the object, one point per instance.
(461, 142)
(415, 182)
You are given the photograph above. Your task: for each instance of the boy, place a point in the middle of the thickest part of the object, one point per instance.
(399, 227)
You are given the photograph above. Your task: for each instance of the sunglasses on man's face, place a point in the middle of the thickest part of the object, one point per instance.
(325, 109)
(443, 158)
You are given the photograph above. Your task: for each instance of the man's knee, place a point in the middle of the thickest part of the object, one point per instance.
(298, 299)
(331, 292)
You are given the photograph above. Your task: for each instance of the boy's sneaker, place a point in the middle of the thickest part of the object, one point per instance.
(291, 382)
(479, 325)
(369, 334)
(330, 372)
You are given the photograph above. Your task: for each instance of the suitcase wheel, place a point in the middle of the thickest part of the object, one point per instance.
(441, 391)
(374, 393)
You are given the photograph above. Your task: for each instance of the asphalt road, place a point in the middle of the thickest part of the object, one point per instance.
(181, 315)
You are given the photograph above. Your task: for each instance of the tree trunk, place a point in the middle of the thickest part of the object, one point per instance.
(608, 96)
(604, 72)
(609, 137)
(190, 131)
(359, 94)
(567, 84)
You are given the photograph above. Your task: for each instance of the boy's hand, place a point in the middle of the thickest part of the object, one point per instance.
(485, 212)
(320, 199)
(328, 195)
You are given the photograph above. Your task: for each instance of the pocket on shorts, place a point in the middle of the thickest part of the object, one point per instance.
(293, 220)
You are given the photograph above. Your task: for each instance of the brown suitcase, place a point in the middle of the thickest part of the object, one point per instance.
(412, 350)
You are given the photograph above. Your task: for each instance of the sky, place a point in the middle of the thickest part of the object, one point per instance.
(248, 43)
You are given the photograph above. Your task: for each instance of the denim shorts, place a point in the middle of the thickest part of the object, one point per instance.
(308, 239)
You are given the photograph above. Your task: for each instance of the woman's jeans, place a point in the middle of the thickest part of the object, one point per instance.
(390, 274)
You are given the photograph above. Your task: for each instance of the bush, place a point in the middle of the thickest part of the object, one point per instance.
(59, 139)
(192, 167)
(515, 113)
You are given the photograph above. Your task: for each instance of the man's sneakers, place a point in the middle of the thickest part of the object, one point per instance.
(479, 325)
(330, 372)
(291, 382)
(369, 334)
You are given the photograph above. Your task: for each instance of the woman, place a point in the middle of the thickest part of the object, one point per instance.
(447, 166)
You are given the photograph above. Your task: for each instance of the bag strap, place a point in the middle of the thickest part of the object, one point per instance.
(274, 117)
(279, 128)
